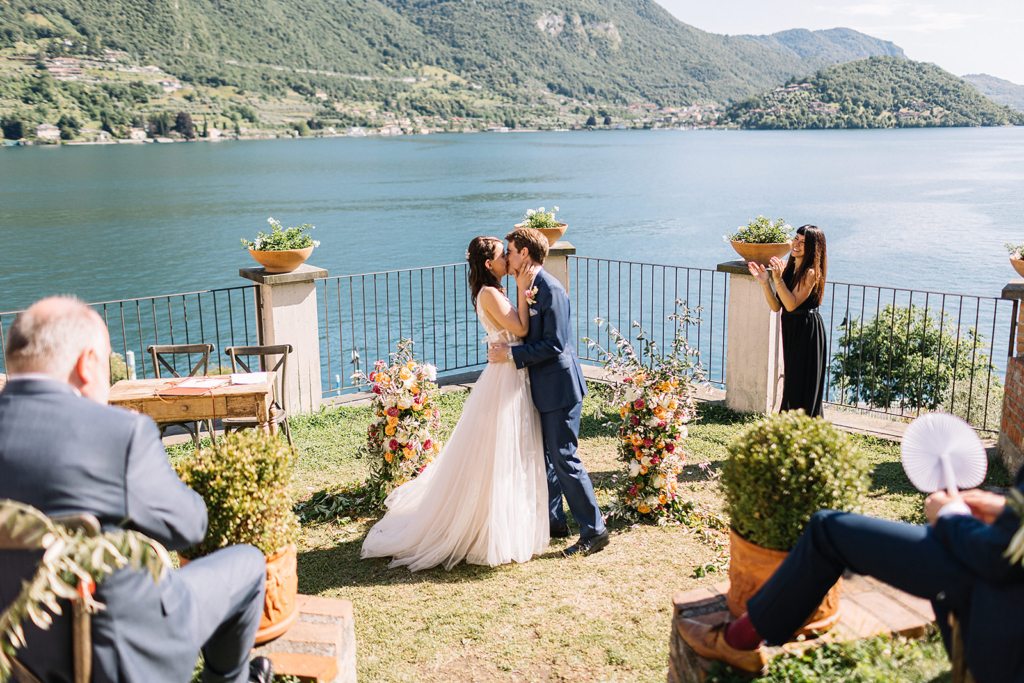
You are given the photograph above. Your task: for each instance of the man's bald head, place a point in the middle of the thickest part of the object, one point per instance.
(52, 335)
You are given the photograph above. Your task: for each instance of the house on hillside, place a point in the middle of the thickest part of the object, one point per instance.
(391, 130)
(136, 133)
(169, 84)
(47, 131)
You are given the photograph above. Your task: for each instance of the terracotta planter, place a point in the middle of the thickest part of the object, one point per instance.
(1018, 265)
(751, 565)
(553, 234)
(761, 253)
(281, 261)
(280, 607)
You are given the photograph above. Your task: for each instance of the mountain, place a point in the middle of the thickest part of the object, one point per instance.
(878, 92)
(617, 51)
(834, 46)
(998, 90)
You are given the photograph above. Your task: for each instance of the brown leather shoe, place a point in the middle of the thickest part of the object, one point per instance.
(709, 641)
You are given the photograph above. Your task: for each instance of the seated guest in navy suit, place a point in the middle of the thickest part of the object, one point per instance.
(957, 562)
(63, 450)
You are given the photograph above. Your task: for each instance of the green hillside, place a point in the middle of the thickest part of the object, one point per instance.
(615, 51)
(878, 92)
(998, 90)
(834, 46)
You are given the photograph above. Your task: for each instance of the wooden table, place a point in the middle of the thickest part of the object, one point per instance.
(228, 400)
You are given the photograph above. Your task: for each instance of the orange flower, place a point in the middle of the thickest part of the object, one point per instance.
(643, 509)
(408, 452)
(437, 446)
(390, 430)
(414, 388)
(635, 439)
(623, 411)
(392, 421)
(643, 470)
(389, 456)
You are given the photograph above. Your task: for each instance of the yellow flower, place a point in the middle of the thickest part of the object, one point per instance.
(665, 386)
(437, 446)
(389, 456)
(643, 470)
(659, 412)
(408, 452)
(623, 411)
(635, 439)
(405, 373)
(390, 430)
(414, 388)
(672, 405)
(392, 421)
(663, 499)
(643, 509)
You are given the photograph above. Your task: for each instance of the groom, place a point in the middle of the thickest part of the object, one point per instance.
(558, 388)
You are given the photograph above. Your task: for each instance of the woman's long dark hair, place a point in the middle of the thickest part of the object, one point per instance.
(815, 256)
(481, 250)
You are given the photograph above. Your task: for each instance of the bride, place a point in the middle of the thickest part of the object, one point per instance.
(484, 498)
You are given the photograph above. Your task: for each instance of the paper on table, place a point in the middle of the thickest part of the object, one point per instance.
(248, 378)
(201, 383)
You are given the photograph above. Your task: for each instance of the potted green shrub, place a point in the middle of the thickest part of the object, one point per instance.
(542, 220)
(780, 471)
(282, 250)
(245, 480)
(1016, 258)
(761, 239)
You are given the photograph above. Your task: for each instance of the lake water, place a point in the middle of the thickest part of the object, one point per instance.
(926, 209)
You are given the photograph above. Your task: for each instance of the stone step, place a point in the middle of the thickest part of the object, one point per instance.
(320, 646)
(867, 608)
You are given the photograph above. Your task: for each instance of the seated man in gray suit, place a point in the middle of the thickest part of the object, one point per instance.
(63, 450)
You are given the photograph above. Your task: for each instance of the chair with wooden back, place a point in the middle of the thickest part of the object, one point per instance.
(278, 413)
(81, 622)
(160, 354)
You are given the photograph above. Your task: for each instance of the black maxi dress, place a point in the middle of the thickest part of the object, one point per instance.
(803, 351)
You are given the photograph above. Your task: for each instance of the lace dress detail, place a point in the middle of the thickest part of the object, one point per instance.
(484, 498)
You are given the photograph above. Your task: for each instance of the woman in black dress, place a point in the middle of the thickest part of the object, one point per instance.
(799, 286)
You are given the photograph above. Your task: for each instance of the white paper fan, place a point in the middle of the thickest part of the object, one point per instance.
(941, 452)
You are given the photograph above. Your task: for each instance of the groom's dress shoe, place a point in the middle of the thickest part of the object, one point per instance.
(587, 546)
(709, 641)
(559, 531)
(261, 670)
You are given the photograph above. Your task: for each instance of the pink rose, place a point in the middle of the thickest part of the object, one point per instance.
(428, 444)
(670, 447)
(376, 389)
(393, 445)
(648, 442)
(372, 375)
(655, 460)
(634, 419)
(392, 411)
(661, 424)
(639, 404)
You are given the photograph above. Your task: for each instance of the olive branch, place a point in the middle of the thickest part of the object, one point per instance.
(72, 564)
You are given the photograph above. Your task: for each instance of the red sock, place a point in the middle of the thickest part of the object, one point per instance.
(742, 635)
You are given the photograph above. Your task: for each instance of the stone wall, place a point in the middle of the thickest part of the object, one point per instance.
(1011, 431)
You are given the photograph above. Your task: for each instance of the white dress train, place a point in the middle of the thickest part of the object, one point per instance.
(484, 498)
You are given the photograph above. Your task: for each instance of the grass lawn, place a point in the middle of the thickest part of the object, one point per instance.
(599, 618)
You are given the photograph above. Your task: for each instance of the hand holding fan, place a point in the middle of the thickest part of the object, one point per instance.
(941, 452)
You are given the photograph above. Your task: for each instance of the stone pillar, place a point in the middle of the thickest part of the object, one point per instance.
(1011, 427)
(557, 262)
(753, 362)
(286, 304)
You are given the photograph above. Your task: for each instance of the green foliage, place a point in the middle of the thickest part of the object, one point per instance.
(183, 124)
(910, 357)
(782, 470)
(998, 90)
(1014, 249)
(833, 45)
(280, 239)
(539, 218)
(245, 480)
(878, 92)
(70, 560)
(882, 659)
(761, 230)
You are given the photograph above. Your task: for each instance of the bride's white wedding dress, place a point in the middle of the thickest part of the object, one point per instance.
(484, 498)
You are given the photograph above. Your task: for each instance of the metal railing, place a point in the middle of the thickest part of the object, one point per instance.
(621, 292)
(898, 352)
(362, 317)
(222, 317)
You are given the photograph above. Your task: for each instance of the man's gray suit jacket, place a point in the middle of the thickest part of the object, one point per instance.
(63, 453)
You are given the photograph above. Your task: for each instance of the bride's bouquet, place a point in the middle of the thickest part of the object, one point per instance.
(653, 394)
(401, 441)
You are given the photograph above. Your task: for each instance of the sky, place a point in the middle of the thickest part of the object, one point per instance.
(962, 37)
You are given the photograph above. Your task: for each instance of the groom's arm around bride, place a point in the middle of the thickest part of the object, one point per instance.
(558, 388)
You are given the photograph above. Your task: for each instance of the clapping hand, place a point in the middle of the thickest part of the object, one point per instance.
(776, 265)
(758, 271)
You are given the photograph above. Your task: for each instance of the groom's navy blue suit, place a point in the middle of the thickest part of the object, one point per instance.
(958, 564)
(556, 380)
